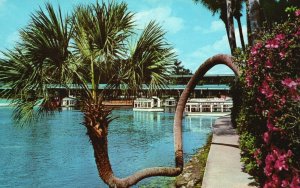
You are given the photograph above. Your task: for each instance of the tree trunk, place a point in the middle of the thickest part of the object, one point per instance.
(223, 17)
(232, 40)
(238, 19)
(254, 19)
(97, 120)
(248, 23)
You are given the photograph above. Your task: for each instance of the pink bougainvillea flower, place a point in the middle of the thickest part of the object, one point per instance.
(266, 137)
(272, 43)
(281, 163)
(268, 184)
(250, 62)
(295, 96)
(276, 180)
(285, 183)
(283, 100)
(268, 170)
(289, 153)
(266, 90)
(295, 182)
(269, 64)
(290, 83)
(255, 48)
(282, 55)
(297, 13)
(269, 158)
(280, 37)
(271, 127)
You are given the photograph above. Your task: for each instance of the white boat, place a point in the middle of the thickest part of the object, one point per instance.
(208, 106)
(170, 102)
(69, 102)
(147, 104)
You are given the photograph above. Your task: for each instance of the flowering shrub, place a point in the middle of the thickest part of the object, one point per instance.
(269, 117)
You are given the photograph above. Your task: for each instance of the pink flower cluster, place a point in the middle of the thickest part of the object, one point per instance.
(266, 90)
(297, 13)
(278, 161)
(292, 86)
(272, 80)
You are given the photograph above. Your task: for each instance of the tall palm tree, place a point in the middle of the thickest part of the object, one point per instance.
(45, 56)
(220, 6)
(231, 36)
(237, 9)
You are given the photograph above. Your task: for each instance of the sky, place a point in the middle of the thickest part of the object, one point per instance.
(191, 29)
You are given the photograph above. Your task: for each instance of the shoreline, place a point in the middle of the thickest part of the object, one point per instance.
(193, 172)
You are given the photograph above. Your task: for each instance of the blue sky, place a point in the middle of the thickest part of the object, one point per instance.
(192, 30)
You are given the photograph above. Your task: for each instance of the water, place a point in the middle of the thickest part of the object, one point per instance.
(56, 151)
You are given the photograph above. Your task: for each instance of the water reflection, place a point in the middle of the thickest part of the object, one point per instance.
(200, 124)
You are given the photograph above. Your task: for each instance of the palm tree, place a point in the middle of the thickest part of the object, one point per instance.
(231, 36)
(237, 9)
(46, 56)
(220, 6)
(179, 69)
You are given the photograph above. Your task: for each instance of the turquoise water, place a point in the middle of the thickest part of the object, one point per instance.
(56, 152)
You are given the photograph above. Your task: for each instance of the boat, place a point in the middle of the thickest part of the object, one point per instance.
(152, 104)
(69, 102)
(208, 106)
(170, 102)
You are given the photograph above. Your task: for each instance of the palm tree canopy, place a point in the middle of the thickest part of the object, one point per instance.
(219, 6)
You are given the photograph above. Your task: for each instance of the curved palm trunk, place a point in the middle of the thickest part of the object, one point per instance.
(238, 19)
(97, 120)
(232, 40)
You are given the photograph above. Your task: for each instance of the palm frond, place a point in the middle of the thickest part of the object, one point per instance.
(40, 58)
(150, 60)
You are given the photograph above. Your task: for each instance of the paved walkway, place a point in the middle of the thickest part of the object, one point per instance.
(223, 167)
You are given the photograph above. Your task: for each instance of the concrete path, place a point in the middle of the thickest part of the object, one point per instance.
(223, 167)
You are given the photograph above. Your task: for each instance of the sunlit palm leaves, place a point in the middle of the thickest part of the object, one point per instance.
(100, 34)
(150, 59)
